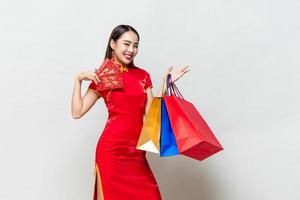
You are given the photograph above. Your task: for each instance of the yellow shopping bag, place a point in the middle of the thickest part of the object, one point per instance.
(150, 135)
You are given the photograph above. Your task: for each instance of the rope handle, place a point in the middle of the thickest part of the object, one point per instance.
(172, 89)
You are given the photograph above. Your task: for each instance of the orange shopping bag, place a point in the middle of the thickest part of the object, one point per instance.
(149, 139)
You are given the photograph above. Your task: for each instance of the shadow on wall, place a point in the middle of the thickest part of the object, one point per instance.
(184, 178)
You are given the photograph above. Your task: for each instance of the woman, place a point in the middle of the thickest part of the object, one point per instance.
(121, 171)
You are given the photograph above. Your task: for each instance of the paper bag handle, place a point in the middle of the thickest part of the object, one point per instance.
(172, 88)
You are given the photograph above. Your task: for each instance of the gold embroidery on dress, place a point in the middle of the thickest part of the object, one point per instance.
(108, 95)
(124, 68)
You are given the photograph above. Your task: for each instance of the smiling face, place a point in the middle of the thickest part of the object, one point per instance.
(125, 48)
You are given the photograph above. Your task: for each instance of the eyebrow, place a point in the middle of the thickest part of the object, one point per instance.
(130, 41)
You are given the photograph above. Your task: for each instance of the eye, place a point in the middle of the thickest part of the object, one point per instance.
(126, 44)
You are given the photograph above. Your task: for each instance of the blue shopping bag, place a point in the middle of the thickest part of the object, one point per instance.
(168, 146)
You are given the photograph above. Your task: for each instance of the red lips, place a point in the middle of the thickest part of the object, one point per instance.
(128, 56)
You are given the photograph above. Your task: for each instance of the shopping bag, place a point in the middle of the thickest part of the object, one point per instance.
(194, 137)
(110, 76)
(149, 139)
(168, 146)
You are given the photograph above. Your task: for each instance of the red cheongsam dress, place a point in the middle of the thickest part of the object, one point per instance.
(122, 171)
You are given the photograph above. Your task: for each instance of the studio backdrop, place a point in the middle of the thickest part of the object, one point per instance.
(244, 79)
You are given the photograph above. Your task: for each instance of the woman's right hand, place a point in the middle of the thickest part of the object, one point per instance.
(80, 105)
(88, 76)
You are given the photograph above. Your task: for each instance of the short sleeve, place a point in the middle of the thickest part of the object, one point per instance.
(92, 87)
(148, 82)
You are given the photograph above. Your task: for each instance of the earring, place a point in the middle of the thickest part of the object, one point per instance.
(112, 55)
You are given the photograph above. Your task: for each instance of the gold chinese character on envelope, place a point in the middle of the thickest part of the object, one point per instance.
(110, 76)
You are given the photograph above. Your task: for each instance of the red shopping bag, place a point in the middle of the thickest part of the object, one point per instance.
(193, 136)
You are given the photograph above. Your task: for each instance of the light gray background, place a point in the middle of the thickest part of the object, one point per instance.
(244, 79)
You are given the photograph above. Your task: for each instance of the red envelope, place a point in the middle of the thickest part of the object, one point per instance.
(110, 76)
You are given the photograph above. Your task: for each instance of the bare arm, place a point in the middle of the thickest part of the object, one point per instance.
(81, 105)
(174, 76)
(150, 95)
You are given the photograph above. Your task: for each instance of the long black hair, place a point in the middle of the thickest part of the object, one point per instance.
(116, 33)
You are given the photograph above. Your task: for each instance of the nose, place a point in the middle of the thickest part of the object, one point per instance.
(130, 48)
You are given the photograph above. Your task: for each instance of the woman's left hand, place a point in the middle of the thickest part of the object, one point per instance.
(176, 75)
